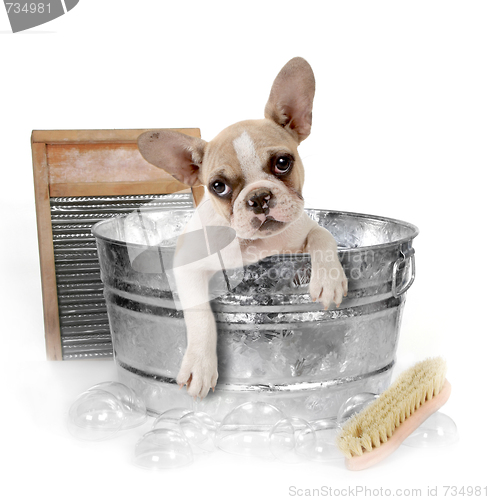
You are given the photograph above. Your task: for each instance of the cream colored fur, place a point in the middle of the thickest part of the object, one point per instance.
(262, 205)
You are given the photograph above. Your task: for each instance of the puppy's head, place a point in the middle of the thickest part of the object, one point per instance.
(252, 169)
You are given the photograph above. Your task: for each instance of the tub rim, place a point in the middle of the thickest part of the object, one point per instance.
(414, 231)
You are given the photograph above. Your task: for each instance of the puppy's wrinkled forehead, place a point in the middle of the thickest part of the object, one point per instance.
(243, 148)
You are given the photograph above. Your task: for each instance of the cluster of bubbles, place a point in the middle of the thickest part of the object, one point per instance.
(255, 429)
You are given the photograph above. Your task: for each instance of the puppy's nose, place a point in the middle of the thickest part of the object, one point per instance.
(259, 202)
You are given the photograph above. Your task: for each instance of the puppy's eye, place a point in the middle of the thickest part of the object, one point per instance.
(221, 189)
(282, 164)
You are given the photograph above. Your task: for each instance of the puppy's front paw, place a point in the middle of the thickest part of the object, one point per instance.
(328, 283)
(198, 372)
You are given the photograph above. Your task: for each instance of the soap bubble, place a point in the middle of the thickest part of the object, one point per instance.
(162, 449)
(133, 405)
(318, 441)
(170, 419)
(200, 430)
(104, 410)
(245, 430)
(283, 438)
(96, 415)
(436, 431)
(354, 405)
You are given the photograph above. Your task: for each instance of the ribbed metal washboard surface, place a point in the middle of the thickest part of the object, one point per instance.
(84, 323)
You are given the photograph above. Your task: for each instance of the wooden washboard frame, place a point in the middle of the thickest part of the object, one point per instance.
(87, 163)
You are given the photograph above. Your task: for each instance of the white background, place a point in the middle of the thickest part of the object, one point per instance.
(402, 127)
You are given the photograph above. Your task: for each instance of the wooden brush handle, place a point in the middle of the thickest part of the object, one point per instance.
(370, 458)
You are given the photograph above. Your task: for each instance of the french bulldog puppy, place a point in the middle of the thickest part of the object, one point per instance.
(254, 178)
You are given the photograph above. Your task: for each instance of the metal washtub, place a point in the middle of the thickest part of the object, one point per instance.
(274, 343)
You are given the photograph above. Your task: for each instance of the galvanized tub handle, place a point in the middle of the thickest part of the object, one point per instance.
(407, 255)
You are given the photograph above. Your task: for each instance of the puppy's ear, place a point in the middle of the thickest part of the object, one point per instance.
(291, 98)
(176, 153)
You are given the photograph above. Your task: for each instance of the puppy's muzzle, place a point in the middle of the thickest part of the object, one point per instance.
(260, 201)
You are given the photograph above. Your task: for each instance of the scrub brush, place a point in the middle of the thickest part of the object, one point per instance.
(377, 431)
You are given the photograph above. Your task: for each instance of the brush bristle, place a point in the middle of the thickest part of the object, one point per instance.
(375, 424)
